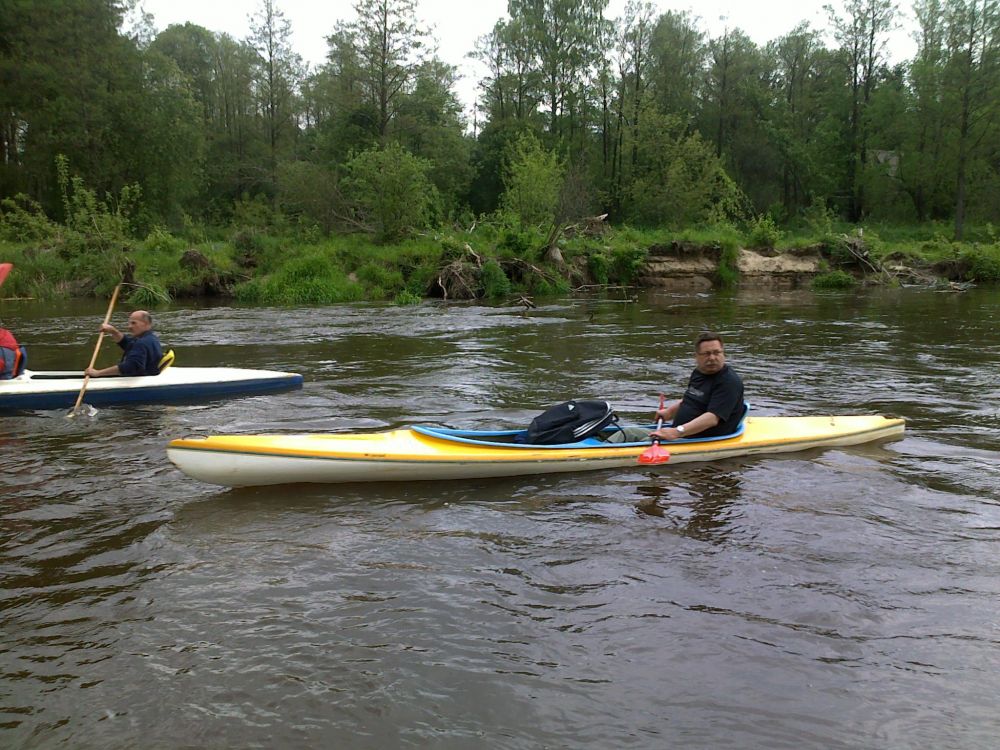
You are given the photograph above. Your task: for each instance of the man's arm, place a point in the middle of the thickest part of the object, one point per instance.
(105, 372)
(699, 424)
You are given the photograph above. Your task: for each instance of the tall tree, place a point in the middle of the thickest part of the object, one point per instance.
(280, 74)
(923, 160)
(862, 30)
(972, 76)
(238, 152)
(429, 124)
(512, 86)
(678, 58)
(796, 112)
(67, 75)
(566, 36)
(390, 43)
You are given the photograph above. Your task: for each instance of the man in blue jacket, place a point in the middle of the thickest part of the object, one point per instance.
(142, 348)
(713, 402)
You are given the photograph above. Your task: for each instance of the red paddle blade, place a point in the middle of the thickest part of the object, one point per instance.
(654, 454)
(4, 270)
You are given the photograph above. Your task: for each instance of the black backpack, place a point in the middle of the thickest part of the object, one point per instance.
(569, 422)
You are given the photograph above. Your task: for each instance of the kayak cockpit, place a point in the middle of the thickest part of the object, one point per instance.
(609, 436)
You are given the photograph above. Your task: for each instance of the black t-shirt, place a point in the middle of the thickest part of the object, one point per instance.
(721, 394)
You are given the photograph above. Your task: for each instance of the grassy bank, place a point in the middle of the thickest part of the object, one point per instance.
(490, 261)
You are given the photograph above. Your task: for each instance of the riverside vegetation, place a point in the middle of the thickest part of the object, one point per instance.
(187, 162)
(266, 259)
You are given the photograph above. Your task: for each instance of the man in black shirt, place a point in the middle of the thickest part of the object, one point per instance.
(713, 402)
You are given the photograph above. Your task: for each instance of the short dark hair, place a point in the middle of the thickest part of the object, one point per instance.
(707, 336)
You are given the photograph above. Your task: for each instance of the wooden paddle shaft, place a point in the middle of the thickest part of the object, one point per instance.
(97, 346)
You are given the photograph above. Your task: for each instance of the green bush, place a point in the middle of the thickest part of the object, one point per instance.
(833, 280)
(728, 273)
(532, 179)
(315, 291)
(495, 283)
(548, 287)
(23, 220)
(161, 241)
(627, 263)
(517, 241)
(315, 265)
(255, 212)
(148, 295)
(407, 298)
(392, 190)
(763, 232)
(819, 218)
(102, 224)
(599, 266)
(376, 276)
(247, 240)
(420, 280)
(983, 267)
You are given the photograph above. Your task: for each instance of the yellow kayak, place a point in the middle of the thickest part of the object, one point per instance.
(431, 453)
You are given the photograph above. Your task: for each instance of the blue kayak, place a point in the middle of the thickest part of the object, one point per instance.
(59, 390)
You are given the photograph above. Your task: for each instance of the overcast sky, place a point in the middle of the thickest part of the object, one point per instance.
(457, 24)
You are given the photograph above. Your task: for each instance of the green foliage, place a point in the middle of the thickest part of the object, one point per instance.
(311, 279)
(763, 232)
(23, 220)
(406, 297)
(255, 212)
(544, 287)
(728, 273)
(99, 223)
(494, 280)
(627, 263)
(392, 193)
(532, 180)
(662, 123)
(38, 273)
(380, 281)
(521, 242)
(148, 295)
(247, 240)
(819, 218)
(192, 231)
(599, 266)
(421, 280)
(161, 241)
(834, 280)
(984, 264)
(310, 192)
(682, 182)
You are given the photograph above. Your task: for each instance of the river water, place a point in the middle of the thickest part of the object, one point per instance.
(844, 598)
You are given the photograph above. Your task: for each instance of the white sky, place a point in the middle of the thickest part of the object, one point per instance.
(456, 24)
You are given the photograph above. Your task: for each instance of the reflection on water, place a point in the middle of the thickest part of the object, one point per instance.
(841, 598)
(701, 502)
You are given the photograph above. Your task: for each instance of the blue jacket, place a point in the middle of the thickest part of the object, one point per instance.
(142, 354)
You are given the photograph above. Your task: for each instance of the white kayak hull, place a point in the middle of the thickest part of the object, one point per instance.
(428, 454)
(59, 389)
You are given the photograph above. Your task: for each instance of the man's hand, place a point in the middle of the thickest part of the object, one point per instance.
(666, 433)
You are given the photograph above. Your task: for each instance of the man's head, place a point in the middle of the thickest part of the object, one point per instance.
(710, 357)
(139, 322)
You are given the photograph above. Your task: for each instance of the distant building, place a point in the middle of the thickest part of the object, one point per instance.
(888, 159)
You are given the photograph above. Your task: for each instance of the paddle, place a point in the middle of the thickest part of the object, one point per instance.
(97, 348)
(654, 454)
(5, 269)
